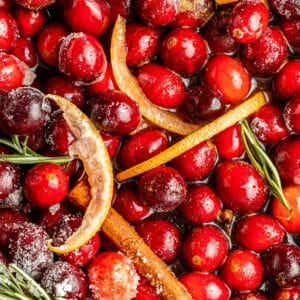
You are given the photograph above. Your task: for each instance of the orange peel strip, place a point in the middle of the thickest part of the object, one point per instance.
(128, 84)
(209, 130)
(222, 2)
(90, 148)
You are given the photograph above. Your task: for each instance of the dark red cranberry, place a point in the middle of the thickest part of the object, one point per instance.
(146, 291)
(289, 9)
(34, 4)
(201, 204)
(162, 188)
(4, 260)
(35, 141)
(240, 186)
(290, 293)
(205, 248)
(196, 163)
(291, 30)
(112, 144)
(291, 114)
(249, 296)
(9, 180)
(184, 51)
(243, 271)
(9, 31)
(6, 4)
(120, 7)
(64, 280)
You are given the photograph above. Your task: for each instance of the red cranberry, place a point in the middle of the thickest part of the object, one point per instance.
(120, 7)
(184, 51)
(6, 4)
(289, 9)
(290, 293)
(291, 114)
(291, 30)
(9, 31)
(146, 291)
(249, 296)
(35, 141)
(4, 260)
(240, 186)
(233, 84)
(201, 204)
(242, 271)
(112, 144)
(9, 180)
(205, 248)
(34, 4)
(196, 163)
(162, 188)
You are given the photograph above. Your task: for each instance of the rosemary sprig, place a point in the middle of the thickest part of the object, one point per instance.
(263, 163)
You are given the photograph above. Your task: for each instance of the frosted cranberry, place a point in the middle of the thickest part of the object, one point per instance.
(201, 204)
(9, 180)
(142, 42)
(234, 84)
(30, 22)
(291, 114)
(141, 146)
(290, 293)
(6, 4)
(88, 16)
(242, 271)
(268, 124)
(120, 7)
(240, 186)
(287, 80)
(24, 49)
(28, 250)
(196, 163)
(282, 265)
(112, 275)
(184, 51)
(205, 248)
(249, 296)
(162, 188)
(205, 286)
(146, 291)
(34, 4)
(229, 143)
(289, 9)
(291, 30)
(9, 31)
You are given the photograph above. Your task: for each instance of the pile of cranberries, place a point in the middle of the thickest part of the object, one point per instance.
(208, 213)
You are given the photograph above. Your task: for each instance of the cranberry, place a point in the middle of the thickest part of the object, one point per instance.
(162, 188)
(6, 4)
(205, 286)
(240, 186)
(9, 31)
(34, 4)
(35, 141)
(242, 270)
(120, 7)
(184, 51)
(249, 296)
(205, 248)
(291, 293)
(290, 9)
(112, 144)
(63, 280)
(146, 291)
(291, 30)
(227, 76)
(9, 180)
(3, 259)
(291, 114)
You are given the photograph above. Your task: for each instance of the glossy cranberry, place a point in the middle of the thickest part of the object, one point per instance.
(9, 180)
(35, 141)
(205, 286)
(49, 41)
(30, 22)
(287, 80)
(249, 296)
(291, 293)
(120, 7)
(24, 111)
(205, 248)
(112, 144)
(111, 275)
(115, 113)
(146, 291)
(34, 4)
(227, 76)
(282, 265)
(28, 250)
(291, 30)
(289, 9)
(201, 204)
(184, 51)
(243, 271)
(196, 163)
(142, 42)
(291, 114)
(162, 188)
(88, 16)
(240, 186)
(142, 145)
(6, 4)
(24, 49)
(9, 31)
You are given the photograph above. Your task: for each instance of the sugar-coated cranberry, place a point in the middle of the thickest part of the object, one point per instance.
(201, 204)
(64, 280)
(6, 4)
(9, 31)
(227, 76)
(240, 186)
(184, 51)
(112, 144)
(111, 275)
(9, 179)
(205, 286)
(249, 296)
(146, 291)
(289, 9)
(243, 270)
(291, 114)
(123, 8)
(34, 4)
(205, 248)
(162, 188)
(291, 30)
(290, 293)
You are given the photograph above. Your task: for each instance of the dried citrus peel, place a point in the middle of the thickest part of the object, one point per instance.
(90, 148)
(221, 2)
(128, 84)
(209, 130)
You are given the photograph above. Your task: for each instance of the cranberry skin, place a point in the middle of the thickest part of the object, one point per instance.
(146, 291)
(142, 42)
(9, 31)
(24, 49)
(162, 237)
(29, 251)
(64, 280)
(120, 7)
(240, 186)
(205, 286)
(9, 179)
(141, 146)
(205, 248)
(258, 232)
(291, 114)
(88, 16)
(184, 51)
(201, 204)
(112, 144)
(227, 76)
(287, 81)
(291, 293)
(196, 163)
(291, 30)
(282, 265)
(6, 4)
(34, 4)
(229, 143)
(268, 124)
(242, 271)
(249, 296)
(290, 9)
